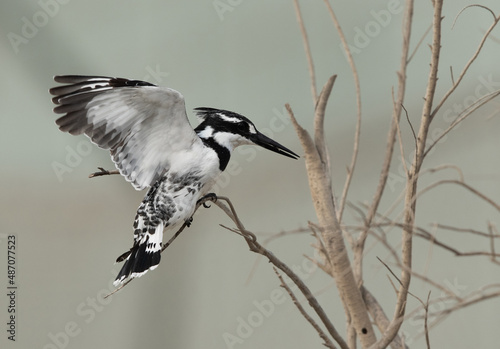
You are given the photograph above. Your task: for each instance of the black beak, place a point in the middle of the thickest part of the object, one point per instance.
(268, 143)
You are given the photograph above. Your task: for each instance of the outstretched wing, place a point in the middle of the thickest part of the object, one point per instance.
(143, 125)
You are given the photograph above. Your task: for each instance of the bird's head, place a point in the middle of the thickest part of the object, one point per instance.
(229, 129)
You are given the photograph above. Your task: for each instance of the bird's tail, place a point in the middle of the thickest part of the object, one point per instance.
(143, 256)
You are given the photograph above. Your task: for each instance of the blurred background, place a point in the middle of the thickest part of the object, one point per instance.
(246, 56)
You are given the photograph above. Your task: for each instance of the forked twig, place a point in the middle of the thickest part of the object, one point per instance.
(103, 172)
(254, 246)
(327, 342)
(469, 63)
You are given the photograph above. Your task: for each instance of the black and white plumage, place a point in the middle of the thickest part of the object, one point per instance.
(153, 146)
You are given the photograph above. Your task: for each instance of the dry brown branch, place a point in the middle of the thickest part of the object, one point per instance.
(254, 246)
(426, 327)
(466, 186)
(267, 241)
(400, 138)
(462, 116)
(424, 305)
(331, 232)
(411, 185)
(493, 232)
(428, 236)
(391, 137)
(445, 167)
(439, 316)
(307, 49)
(467, 65)
(379, 317)
(319, 122)
(466, 230)
(419, 43)
(423, 233)
(327, 342)
(357, 133)
(103, 172)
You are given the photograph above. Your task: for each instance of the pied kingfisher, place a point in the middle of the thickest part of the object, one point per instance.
(153, 146)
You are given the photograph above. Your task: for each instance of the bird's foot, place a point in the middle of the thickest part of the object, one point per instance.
(202, 201)
(209, 197)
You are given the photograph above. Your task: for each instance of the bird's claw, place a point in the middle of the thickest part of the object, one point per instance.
(209, 197)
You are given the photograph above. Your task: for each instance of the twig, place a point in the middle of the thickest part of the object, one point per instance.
(425, 305)
(307, 49)
(406, 239)
(103, 172)
(357, 132)
(444, 167)
(492, 229)
(466, 230)
(257, 248)
(400, 137)
(411, 127)
(468, 64)
(462, 116)
(466, 186)
(456, 252)
(419, 43)
(327, 342)
(379, 317)
(118, 288)
(411, 188)
(319, 119)
(426, 328)
(391, 137)
(469, 6)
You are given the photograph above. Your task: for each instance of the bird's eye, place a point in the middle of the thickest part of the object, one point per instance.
(242, 126)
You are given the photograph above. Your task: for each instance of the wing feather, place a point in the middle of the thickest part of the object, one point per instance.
(142, 125)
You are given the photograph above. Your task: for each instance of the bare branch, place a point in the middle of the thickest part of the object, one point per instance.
(331, 232)
(466, 186)
(411, 187)
(103, 172)
(467, 65)
(257, 248)
(465, 230)
(308, 51)
(469, 6)
(319, 119)
(426, 327)
(357, 133)
(327, 342)
(419, 43)
(462, 116)
(379, 317)
(391, 137)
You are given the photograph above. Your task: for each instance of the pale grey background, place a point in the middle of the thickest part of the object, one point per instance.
(249, 59)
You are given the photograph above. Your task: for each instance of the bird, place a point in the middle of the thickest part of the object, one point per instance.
(153, 146)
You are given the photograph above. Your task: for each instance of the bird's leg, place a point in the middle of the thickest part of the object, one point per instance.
(103, 172)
